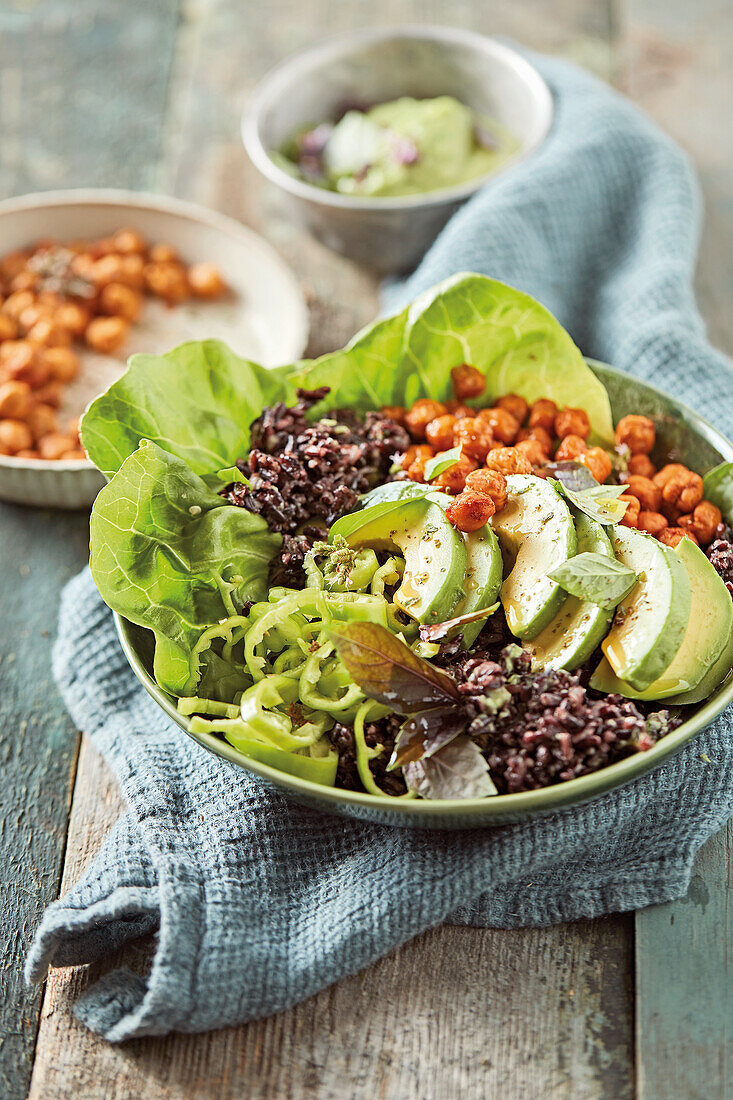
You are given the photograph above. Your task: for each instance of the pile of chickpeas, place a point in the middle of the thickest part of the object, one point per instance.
(514, 437)
(53, 296)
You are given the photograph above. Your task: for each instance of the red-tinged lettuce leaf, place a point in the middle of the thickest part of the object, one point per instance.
(458, 770)
(388, 671)
(439, 632)
(425, 733)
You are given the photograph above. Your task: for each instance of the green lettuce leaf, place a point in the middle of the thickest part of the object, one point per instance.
(718, 488)
(169, 554)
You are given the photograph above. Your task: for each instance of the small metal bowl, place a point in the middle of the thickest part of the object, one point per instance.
(370, 67)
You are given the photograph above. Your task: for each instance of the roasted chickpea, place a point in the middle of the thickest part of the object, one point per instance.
(422, 412)
(534, 451)
(24, 280)
(637, 433)
(15, 400)
(490, 482)
(27, 452)
(571, 421)
(703, 522)
(107, 334)
(42, 420)
(75, 428)
(394, 412)
(516, 405)
(467, 381)
(633, 507)
(458, 410)
(32, 314)
(598, 462)
(16, 302)
(8, 327)
(642, 466)
(205, 281)
(83, 266)
(439, 432)
(508, 460)
(666, 472)
(131, 271)
(77, 454)
(13, 263)
(571, 448)
(26, 365)
(14, 436)
(474, 436)
(52, 446)
(651, 522)
(64, 363)
(73, 317)
(542, 436)
(47, 334)
(416, 469)
(504, 426)
(120, 301)
(453, 479)
(107, 269)
(105, 246)
(470, 511)
(129, 240)
(649, 494)
(673, 536)
(542, 414)
(166, 281)
(163, 254)
(51, 393)
(681, 493)
(414, 452)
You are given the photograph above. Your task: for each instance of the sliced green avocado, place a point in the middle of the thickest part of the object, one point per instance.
(706, 638)
(536, 534)
(579, 626)
(483, 578)
(434, 551)
(650, 623)
(710, 682)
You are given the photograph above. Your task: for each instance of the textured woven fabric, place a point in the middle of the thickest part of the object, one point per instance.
(258, 903)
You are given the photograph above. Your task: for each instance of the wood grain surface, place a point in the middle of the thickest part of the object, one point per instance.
(155, 92)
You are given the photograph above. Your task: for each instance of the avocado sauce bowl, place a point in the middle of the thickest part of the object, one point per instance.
(680, 433)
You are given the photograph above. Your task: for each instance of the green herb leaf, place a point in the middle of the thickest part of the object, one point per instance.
(458, 770)
(425, 733)
(600, 502)
(718, 488)
(388, 671)
(573, 475)
(231, 474)
(440, 632)
(595, 578)
(441, 462)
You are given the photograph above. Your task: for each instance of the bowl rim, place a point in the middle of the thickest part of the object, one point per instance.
(502, 807)
(162, 204)
(273, 83)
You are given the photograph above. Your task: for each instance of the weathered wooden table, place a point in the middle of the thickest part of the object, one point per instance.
(146, 94)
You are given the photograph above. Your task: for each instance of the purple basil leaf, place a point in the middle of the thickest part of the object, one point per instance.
(458, 770)
(388, 671)
(441, 631)
(573, 475)
(423, 734)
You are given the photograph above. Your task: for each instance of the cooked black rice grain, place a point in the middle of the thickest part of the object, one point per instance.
(381, 733)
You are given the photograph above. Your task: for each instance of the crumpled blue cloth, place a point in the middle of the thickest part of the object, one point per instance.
(257, 902)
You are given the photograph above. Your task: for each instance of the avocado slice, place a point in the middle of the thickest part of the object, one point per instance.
(579, 626)
(650, 623)
(707, 637)
(434, 551)
(536, 534)
(483, 578)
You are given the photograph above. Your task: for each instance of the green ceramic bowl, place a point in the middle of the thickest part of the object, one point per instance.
(681, 433)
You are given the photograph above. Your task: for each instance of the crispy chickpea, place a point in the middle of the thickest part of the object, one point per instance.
(8, 327)
(504, 426)
(467, 381)
(666, 472)
(414, 452)
(16, 302)
(107, 269)
(673, 536)
(470, 511)
(15, 400)
(508, 460)
(131, 271)
(47, 334)
(458, 410)
(10, 348)
(64, 363)
(633, 507)
(542, 414)
(651, 522)
(51, 393)
(31, 315)
(13, 263)
(107, 334)
(52, 446)
(641, 466)
(83, 265)
(514, 404)
(27, 452)
(14, 436)
(119, 300)
(475, 436)
(534, 451)
(416, 469)
(598, 462)
(394, 412)
(490, 482)
(24, 280)
(103, 247)
(26, 365)
(73, 317)
(129, 240)
(422, 412)
(76, 454)
(439, 432)
(163, 254)
(571, 448)
(571, 421)
(649, 494)
(42, 420)
(74, 428)
(637, 433)
(166, 281)
(681, 493)
(453, 479)
(542, 436)
(702, 523)
(205, 281)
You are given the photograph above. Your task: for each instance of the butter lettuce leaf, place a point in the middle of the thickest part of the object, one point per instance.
(718, 488)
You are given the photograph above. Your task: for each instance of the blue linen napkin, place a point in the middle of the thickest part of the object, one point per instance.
(258, 903)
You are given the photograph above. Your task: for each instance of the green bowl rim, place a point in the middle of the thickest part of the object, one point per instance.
(524, 804)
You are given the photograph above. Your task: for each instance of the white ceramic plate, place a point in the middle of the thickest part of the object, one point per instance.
(264, 319)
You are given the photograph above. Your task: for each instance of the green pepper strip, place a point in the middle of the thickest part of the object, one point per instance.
(192, 704)
(364, 754)
(317, 769)
(311, 697)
